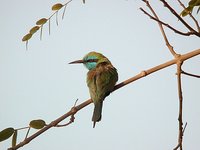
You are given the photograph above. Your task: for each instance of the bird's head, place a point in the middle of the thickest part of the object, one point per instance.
(91, 60)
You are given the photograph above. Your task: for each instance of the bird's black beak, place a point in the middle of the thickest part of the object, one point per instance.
(77, 62)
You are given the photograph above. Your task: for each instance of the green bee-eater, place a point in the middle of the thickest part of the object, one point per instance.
(101, 79)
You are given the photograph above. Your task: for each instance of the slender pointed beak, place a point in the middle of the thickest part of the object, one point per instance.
(77, 62)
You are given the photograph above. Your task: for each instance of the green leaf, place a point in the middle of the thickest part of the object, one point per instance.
(34, 29)
(14, 139)
(186, 11)
(27, 37)
(37, 124)
(57, 6)
(6, 133)
(41, 21)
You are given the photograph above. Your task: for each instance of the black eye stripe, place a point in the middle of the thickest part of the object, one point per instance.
(92, 60)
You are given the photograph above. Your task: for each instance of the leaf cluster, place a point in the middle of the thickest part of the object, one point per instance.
(42, 21)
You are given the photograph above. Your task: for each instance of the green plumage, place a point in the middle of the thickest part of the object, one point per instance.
(101, 79)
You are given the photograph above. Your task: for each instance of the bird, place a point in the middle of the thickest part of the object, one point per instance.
(101, 79)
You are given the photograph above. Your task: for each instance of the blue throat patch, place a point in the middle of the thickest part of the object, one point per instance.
(90, 65)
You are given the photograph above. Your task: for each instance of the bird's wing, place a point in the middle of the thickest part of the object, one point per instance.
(105, 82)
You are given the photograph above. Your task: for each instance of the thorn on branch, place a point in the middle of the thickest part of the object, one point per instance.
(184, 127)
(75, 102)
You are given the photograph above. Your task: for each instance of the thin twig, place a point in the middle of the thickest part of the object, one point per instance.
(189, 74)
(195, 21)
(120, 85)
(171, 49)
(167, 25)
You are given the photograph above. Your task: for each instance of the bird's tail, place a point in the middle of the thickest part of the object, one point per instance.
(97, 113)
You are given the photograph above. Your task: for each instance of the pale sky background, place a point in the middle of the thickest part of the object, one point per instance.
(39, 82)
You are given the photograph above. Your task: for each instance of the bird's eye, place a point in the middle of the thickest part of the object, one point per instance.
(92, 60)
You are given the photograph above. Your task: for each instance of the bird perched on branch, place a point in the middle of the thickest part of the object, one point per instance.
(101, 79)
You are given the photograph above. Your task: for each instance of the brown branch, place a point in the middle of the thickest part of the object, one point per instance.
(179, 18)
(195, 21)
(159, 67)
(75, 109)
(180, 117)
(189, 74)
(171, 49)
